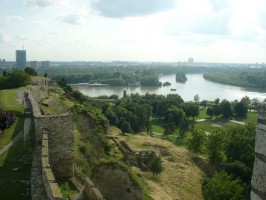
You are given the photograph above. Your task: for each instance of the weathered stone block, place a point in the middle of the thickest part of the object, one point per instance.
(260, 142)
(259, 176)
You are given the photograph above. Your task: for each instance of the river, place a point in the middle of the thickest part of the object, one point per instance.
(195, 84)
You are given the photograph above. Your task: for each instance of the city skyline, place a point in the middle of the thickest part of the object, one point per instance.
(152, 30)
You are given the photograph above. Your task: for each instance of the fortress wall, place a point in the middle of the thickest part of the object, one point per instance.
(258, 182)
(51, 187)
(61, 142)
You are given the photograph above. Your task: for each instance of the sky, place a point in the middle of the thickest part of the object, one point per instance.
(228, 31)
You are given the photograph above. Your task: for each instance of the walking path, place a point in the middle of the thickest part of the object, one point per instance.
(10, 144)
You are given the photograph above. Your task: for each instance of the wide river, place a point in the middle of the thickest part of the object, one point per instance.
(195, 84)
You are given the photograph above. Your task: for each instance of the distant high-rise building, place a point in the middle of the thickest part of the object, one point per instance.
(190, 60)
(45, 64)
(33, 64)
(21, 59)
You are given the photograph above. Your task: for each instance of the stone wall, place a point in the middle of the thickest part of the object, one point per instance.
(61, 142)
(51, 187)
(115, 183)
(54, 145)
(258, 182)
(132, 157)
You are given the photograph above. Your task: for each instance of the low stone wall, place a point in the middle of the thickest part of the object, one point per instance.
(135, 158)
(51, 187)
(90, 191)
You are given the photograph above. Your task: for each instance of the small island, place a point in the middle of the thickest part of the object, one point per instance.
(180, 77)
(166, 84)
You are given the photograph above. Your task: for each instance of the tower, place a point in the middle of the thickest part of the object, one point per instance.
(20, 59)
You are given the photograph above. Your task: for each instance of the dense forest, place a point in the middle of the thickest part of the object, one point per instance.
(239, 78)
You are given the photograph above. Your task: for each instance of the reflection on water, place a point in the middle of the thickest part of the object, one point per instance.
(195, 84)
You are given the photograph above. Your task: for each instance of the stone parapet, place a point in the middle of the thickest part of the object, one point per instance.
(90, 191)
(51, 187)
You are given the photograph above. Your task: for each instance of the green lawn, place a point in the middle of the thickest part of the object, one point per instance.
(157, 125)
(8, 101)
(251, 117)
(202, 114)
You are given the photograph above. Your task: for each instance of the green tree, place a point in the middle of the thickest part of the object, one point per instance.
(224, 187)
(184, 128)
(155, 165)
(31, 71)
(226, 109)
(15, 78)
(216, 147)
(210, 111)
(170, 125)
(197, 98)
(197, 140)
(241, 109)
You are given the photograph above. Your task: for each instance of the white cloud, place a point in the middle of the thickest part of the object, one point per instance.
(127, 8)
(14, 18)
(74, 19)
(38, 23)
(46, 3)
(22, 37)
(38, 3)
(4, 38)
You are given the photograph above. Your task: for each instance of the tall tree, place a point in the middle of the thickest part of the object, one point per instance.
(197, 140)
(226, 109)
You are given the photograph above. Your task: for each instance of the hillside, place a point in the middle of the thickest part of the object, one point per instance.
(180, 179)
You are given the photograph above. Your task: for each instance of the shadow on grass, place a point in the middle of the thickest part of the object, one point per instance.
(15, 168)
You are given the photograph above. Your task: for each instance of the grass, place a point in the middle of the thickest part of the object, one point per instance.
(15, 184)
(251, 117)
(11, 132)
(37, 78)
(157, 125)
(8, 100)
(202, 114)
(66, 189)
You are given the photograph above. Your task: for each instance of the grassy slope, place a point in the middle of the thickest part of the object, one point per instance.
(8, 101)
(180, 179)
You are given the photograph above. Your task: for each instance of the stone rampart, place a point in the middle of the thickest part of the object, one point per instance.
(258, 182)
(61, 142)
(51, 187)
(55, 147)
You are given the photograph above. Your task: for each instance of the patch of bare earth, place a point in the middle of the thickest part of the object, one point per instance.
(180, 179)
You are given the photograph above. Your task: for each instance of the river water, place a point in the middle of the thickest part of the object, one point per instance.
(195, 84)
